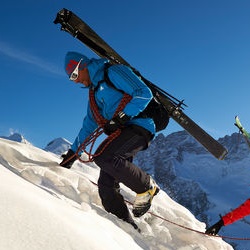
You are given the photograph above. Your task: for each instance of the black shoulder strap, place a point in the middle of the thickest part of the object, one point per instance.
(107, 79)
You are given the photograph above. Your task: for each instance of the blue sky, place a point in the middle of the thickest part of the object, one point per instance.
(196, 50)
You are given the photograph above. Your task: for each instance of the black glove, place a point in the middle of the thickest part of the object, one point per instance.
(68, 159)
(213, 230)
(118, 121)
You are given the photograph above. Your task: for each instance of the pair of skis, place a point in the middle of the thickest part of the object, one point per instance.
(73, 25)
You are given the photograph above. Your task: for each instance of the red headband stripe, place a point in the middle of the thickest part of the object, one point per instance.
(71, 66)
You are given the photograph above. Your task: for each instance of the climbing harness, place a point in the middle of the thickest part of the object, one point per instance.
(101, 121)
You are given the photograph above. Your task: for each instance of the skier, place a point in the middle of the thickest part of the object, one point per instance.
(115, 159)
(237, 214)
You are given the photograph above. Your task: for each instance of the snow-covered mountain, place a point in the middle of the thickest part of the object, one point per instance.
(58, 146)
(44, 206)
(194, 178)
(16, 137)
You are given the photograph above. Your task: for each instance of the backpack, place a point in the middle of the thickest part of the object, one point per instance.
(154, 109)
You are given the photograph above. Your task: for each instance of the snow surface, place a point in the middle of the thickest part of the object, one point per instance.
(44, 206)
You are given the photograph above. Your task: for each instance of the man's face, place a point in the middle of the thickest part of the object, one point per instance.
(83, 77)
(80, 75)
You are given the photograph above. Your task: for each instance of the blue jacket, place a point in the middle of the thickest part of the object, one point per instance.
(108, 98)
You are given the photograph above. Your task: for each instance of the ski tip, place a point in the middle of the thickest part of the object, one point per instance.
(237, 122)
(223, 155)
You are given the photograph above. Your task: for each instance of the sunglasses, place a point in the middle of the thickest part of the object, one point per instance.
(74, 74)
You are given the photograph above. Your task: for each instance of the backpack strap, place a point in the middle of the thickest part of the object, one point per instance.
(107, 79)
(125, 99)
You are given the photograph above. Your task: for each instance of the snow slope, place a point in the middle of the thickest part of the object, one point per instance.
(44, 206)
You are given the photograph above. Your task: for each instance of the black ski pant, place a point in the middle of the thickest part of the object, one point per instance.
(116, 166)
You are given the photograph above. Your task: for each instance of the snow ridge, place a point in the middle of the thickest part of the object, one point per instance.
(60, 209)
